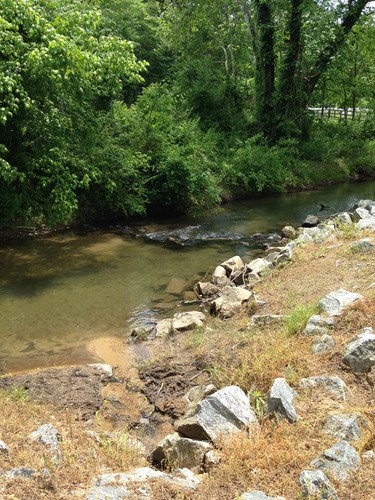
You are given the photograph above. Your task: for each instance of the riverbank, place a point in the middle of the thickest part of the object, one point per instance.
(238, 351)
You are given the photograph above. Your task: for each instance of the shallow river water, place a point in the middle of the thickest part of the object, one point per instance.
(58, 293)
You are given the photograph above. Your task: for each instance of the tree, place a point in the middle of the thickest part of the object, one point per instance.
(58, 72)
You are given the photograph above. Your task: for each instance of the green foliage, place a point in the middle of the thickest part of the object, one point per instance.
(181, 167)
(297, 319)
(55, 66)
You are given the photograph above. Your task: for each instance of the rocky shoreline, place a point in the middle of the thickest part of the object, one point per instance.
(203, 415)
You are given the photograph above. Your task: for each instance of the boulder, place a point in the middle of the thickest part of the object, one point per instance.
(117, 486)
(368, 223)
(283, 257)
(314, 483)
(344, 218)
(230, 301)
(163, 328)
(335, 302)
(317, 325)
(219, 277)
(280, 400)
(310, 221)
(233, 264)
(184, 321)
(224, 412)
(257, 495)
(323, 344)
(319, 233)
(178, 451)
(367, 204)
(359, 214)
(345, 426)
(340, 461)
(189, 427)
(304, 239)
(331, 384)
(207, 289)
(360, 353)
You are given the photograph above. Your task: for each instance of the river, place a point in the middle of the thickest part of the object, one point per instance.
(60, 292)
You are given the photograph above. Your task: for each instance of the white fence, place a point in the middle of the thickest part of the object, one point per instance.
(340, 114)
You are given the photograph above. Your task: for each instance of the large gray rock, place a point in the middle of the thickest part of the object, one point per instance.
(258, 495)
(283, 258)
(340, 461)
(280, 400)
(323, 344)
(289, 232)
(230, 301)
(224, 412)
(344, 218)
(178, 451)
(233, 264)
(331, 384)
(345, 426)
(206, 289)
(184, 321)
(317, 325)
(368, 223)
(319, 233)
(117, 486)
(335, 302)
(360, 353)
(360, 213)
(259, 266)
(314, 483)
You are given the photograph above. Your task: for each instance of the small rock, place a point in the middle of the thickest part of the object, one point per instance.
(207, 289)
(212, 458)
(315, 483)
(259, 266)
(258, 495)
(49, 436)
(24, 472)
(332, 384)
(230, 301)
(233, 264)
(317, 325)
(363, 246)
(335, 302)
(265, 319)
(289, 232)
(283, 258)
(340, 461)
(102, 367)
(3, 448)
(280, 400)
(184, 321)
(163, 328)
(360, 353)
(177, 451)
(344, 426)
(323, 344)
(368, 456)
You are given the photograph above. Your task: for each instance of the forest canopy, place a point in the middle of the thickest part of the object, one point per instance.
(118, 108)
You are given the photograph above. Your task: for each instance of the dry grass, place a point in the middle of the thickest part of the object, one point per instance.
(83, 456)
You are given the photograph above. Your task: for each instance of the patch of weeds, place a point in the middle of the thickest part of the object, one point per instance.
(347, 231)
(297, 319)
(215, 373)
(258, 402)
(197, 338)
(17, 393)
